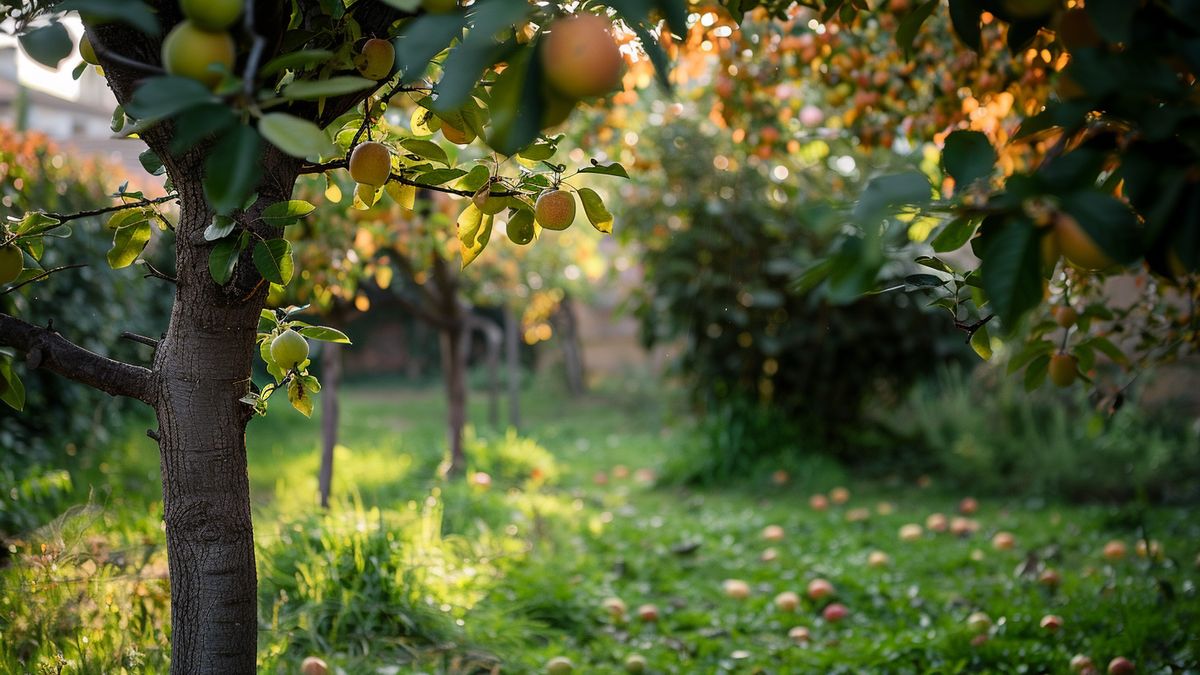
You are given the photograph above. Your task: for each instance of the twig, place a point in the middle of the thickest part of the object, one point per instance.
(41, 276)
(971, 328)
(153, 435)
(67, 217)
(140, 339)
(250, 75)
(110, 55)
(154, 272)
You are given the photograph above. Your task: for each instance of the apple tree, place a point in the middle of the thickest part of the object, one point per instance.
(235, 101)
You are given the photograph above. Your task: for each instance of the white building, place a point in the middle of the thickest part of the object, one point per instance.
(75, 113)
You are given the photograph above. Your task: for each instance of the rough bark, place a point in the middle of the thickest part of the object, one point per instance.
(45, 348)
(512, 358)
(331, 379)
(203, 367)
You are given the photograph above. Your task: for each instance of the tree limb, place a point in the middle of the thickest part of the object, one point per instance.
(47, 349)
(65, 217)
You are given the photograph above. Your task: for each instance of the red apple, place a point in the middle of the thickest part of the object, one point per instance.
(835, 612)
(1051, 622)
(1121, 666)
(819, 589)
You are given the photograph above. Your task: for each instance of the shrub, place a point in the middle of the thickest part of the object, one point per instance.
(92, 305)
(511, 458)
(725, 256)
(984, 433)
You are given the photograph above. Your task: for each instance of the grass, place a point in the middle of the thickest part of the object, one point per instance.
(410, 574)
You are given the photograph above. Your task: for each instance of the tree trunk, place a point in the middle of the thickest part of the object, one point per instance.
(494, 337)
(512, 357)
(331, 380)
(454, 371)
(202, 368)
(568, 333)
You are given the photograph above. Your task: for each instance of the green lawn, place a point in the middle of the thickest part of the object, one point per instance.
(410, 574)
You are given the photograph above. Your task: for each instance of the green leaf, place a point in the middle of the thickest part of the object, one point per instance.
(299, 398)
(48, 44)
(1028, 353)
(475, 179)
(1035, 372)
(151, 163)
(1105, 346)
(297, 60)
(195, 124)
(538, 152)
(296, 137)
(287, 212)
(13, 391)
(924, 281)
(516, 103)
(440, 176)
(596, 212)
(128, 243)
(128, 217)
(611, 169)
(1108, 221)
(934, 263)
(34, 222)
(426, 149)
(968, 156)
(219, 228)
(267, 321)
(1012, 268)
(307, 90)
(981, 342)
(911, 24)
(222, 259)
(966, 17)
(884, 193)
(232, 170)
(325, 334)
(465, 64)
(954, 235)
(133, 12)
(273, 260)
(474, 230)
(161, 97)
(423, 38)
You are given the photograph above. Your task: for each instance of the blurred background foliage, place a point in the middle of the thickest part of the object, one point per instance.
(775, 369)
(63, 422)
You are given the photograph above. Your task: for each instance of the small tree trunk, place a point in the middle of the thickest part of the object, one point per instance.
(331, 379)
(494, 337)
(202, 367)
(454, 370)
(512, 357)
(568, 329)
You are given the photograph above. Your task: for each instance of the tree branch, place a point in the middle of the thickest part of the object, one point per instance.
(343, 163)
(47, 349)
(41, 276)
(66, 217)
